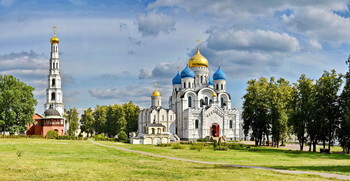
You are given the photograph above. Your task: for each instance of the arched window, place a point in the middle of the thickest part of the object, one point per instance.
(217, 86)
(231, 124)
(206, 101)
(153, 131)
(189, 101)
(210, 102)
(163, 117)
(222, 87)
(196, 124)
(201, 79)
(53, 96)
(159, 130)
(53, 82)
(189, 85)
(222, 102)
(184, 84)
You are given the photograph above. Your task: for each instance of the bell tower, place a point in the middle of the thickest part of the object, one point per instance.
(54, 94)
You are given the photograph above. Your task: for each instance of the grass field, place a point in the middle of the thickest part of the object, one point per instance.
(266, 157)
(41, 159)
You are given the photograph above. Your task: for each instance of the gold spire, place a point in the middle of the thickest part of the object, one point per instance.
(198, 60)
(54, 39)
(156, 92)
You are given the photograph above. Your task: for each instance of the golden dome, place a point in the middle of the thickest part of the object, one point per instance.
(156, 93)
(198, 60)
(54, 39)
(213, 95)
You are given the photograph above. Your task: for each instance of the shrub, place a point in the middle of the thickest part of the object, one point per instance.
(197, 146)
(237, 146)
(177, 146)
(52, 134)
(202, 140)
(221, 148)
(85, 138)
(122, 136)
(163, 144)
(253, 149)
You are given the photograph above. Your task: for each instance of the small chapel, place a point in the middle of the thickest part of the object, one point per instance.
(199, 107)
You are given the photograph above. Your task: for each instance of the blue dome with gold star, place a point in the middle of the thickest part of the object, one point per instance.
(187, 73)
(177, 79)
(219, 75)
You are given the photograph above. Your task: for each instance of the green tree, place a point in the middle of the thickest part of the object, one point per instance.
(255, 110)
(302, 110)
(343, 132)
(87, 122)
(100, 117)
(72, 117)
(16, 104)
(279, 96)
(327, 101)
(131, 116)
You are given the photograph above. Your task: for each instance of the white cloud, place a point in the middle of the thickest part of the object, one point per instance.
(319, 24)
(152, 24)
(315, 44)
(258, 40)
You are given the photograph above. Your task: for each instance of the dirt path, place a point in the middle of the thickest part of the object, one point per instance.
(327, 175)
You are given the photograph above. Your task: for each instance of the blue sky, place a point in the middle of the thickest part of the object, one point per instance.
(114, 51)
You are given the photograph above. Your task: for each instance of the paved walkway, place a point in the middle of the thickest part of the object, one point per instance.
(327, 175)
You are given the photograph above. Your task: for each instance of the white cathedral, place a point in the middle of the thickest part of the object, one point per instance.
(199, 107)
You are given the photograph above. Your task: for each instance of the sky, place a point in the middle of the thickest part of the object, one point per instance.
(112, 52)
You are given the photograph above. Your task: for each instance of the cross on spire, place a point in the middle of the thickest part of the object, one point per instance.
(54, 29)
(198, 42)
(156, 86)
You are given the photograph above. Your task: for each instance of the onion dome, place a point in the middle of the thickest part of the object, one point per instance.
(211, 81)
(51, 112)
(156, 93)
(213, 94)
(177, 79)
(187, 73)
(54, 39)
(219, 75)
(198, 60)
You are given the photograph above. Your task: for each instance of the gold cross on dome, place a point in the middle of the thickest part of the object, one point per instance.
(54, 29)
(198, 42)
(155, 86)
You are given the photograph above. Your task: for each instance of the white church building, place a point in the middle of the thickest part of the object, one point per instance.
(199, 107)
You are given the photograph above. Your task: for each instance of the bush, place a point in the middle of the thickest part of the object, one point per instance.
(122, 136)
(253, 149)
(163, 144)
(85, 138)
(202, 140)
(52, 134)
(197, 146)
(177, 146)
(221, 148)
(237, 146)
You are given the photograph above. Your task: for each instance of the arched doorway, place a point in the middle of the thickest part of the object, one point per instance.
(215, 130)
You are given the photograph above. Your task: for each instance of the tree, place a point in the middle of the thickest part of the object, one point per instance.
(87, 122)
(72, 117)
(279, 96)
(343, 132)
(255, 110)
(302, 109)
(16, 104)
(100, 117)
(327, 101)
(131, 116)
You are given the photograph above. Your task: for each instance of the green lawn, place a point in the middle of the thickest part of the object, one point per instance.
(266, 157)
(43, 159)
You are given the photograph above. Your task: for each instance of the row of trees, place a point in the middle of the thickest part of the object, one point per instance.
(314, 111)
(109, 120)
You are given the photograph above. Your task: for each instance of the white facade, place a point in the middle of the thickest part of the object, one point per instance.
(199, 106)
